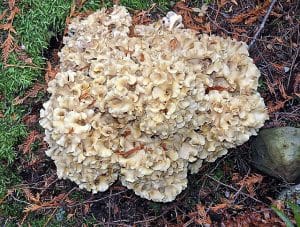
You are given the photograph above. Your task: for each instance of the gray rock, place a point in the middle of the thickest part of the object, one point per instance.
(291, 194)
(276, 152)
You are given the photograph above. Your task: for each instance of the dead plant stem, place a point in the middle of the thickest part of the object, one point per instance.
(229, 186)
(262, 25)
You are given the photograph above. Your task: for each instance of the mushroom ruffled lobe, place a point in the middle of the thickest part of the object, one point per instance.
(147, 103)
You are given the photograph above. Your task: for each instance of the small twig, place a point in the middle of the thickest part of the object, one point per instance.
(294, 61)
(219, 162)
(242, 35)
(53, 182)
(188, 223)
(229, 186)
(153, 218)
(262, 24)
(20, 201)
(242, 186)
(109, 206)
(113, 223)
(54, 211)
(97, 200)
(23, 219)
(23, 66)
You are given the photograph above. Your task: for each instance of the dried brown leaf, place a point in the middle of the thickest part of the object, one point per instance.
(282, 91)
(217, 88)
(200, 20)
(202, 217)
(13, 13)
(5, 26)
(131, 151)
(31, 208)
(6, 47)
(278, 105)
(278, 67)
(260, 216)
(182, 6)
(32, 93)
(271, 87)
(236, 177)
(219, 207)
(240, 30)
(8, 42)
(141, 18)
(142, 57)
(251, 20)
(132, 32)
(251, 15)
(237, 19)
(52, 203)
(31, 138)
(30, 197)
(30, 119)
(190, 19)
(50, 72)
(174, 43)
(250, 181)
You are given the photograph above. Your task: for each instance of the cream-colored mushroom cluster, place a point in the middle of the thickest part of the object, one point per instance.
(147, 103)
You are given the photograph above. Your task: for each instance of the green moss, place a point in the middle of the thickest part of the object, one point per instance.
(77, 196)
(7, 179)
(96, 4)
(39, 21)
(143, 5)
(10, 133)
(262, 85)
(156, 207)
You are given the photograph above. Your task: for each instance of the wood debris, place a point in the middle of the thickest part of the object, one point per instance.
(191, 19)
(8, 45)
(31, 138)
(32, 93)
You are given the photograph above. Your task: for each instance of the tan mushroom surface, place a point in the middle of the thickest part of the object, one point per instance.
(147, 103)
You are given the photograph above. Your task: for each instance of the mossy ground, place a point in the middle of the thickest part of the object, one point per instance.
(39, 23)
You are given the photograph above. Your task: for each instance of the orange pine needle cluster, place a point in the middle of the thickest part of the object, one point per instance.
(7, 45)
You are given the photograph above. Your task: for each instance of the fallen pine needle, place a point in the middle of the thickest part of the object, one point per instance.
(262, 24)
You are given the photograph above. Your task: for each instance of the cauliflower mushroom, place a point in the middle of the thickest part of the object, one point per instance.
(147, 103)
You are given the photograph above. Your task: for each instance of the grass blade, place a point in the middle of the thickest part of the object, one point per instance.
(296, 210)
(283, 216)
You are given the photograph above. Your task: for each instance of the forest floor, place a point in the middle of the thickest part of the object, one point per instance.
(228, 191)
